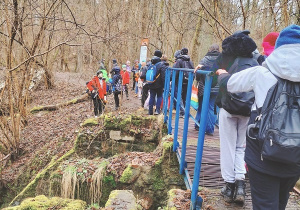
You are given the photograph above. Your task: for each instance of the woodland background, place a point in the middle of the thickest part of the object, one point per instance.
(73, 35)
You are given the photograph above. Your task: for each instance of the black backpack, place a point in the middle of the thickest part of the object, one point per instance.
(187, 65)
(278, 125)
(239, 103)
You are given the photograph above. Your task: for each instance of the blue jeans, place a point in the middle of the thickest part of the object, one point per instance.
(136, 88)
(211, 117)
(155, 92)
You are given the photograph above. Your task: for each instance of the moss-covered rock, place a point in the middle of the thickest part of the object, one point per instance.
(41, 202)
(30, 189)
(175, 195)
(122, 199)
(90, 122)
(130, 174)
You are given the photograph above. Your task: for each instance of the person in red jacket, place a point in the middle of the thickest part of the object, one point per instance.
(97, 86)
(125, 79)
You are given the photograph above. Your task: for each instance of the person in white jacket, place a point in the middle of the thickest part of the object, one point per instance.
(270, 181)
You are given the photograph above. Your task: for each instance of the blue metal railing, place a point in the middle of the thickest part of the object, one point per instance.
(196, 202)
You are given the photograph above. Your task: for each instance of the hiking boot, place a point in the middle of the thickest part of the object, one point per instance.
(239, 193)
(228, 191)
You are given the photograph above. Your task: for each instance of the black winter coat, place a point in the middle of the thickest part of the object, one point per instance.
(161, 67)
(183, 61)
(207, 62)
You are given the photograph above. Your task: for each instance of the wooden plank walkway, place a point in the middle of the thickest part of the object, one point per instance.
(210, 175)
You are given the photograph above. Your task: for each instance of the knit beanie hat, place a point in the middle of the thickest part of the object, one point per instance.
(289, 35)
(123, 66)
(177, 53)
(246, 32)
(269, 43)
(184, 51)
(114, 61)
(158, 53)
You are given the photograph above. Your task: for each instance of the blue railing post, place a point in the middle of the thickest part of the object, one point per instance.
(195, 200)
(166, 94)
(175, 142)
(183, 163)
(171, 106)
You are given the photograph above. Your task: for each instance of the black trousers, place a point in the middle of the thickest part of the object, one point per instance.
(144, 94)
(116, 97)
(270, 192)
(125, 88)
(133, 80)
(98, 106)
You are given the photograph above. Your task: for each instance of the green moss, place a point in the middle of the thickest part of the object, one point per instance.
(109, 185)
(157, 179)
(126, 175)
(41, 202)
(171, 193)
(112, 195)
(125, 122)
(73, 101)
(30, 188)
(103, 164)
(167, 145)
(36, 109)
(90, 122)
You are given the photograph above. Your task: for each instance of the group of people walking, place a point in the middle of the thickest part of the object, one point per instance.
(242, 80)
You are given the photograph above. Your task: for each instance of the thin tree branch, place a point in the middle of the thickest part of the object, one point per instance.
(213, 17)
(33, 56)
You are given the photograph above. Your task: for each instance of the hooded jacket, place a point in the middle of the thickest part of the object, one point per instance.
(236, 45)
(161, 67)
(183, 61)
(207, 63)
(117, 76)
(284, 63)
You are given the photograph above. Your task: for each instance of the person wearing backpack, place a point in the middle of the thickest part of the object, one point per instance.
(97, 86)
(272, 155)
(183, 61)
(117, 86)
(234, 116)
(205, 64)
(115, 64)
(156, 84)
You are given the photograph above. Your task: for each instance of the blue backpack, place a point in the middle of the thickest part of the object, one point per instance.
(151, 74)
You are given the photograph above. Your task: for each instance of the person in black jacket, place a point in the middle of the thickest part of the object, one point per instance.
(205, 64)
(117, 85)
(233, 127)
(145, 89)
(183, 61)
(156, 88)
(115, 64)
